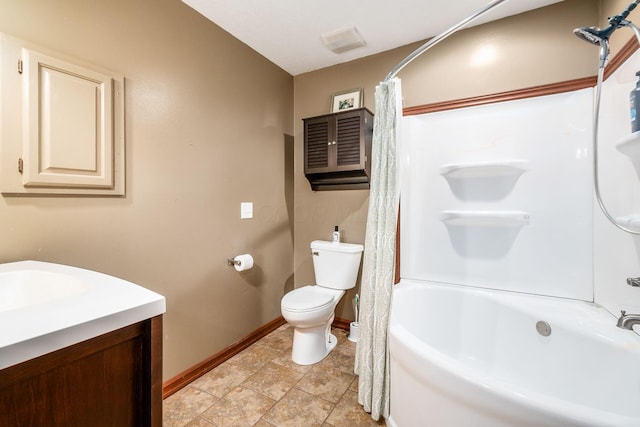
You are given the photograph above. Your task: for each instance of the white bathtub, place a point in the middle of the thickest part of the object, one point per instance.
(45, 307)
(464, 356)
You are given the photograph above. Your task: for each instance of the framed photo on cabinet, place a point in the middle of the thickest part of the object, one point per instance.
(346, 100)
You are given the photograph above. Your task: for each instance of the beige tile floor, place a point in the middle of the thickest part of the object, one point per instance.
(262, 387)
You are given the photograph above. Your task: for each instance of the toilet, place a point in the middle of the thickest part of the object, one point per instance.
(310, 309)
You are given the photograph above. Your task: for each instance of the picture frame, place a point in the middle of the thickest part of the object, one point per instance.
(347, 100)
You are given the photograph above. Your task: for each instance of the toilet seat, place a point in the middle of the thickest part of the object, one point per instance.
(307, 298)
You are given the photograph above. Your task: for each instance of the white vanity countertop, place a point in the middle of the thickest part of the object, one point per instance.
(45, 307)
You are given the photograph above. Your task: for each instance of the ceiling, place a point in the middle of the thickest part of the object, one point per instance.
(288, 32)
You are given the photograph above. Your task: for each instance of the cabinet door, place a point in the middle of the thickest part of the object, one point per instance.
(62, 123)
(318, 137)
(349, 148)
(68, 140)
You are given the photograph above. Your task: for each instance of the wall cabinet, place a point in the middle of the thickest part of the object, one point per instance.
(63, 123)
(337, 150)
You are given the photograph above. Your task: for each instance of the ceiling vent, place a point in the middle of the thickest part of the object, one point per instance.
(342, 40)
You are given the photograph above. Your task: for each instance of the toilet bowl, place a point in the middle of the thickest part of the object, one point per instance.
(310, 309)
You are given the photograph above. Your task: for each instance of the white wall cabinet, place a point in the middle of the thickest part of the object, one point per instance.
(62, 124)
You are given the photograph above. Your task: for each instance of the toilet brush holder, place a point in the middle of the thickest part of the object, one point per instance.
(354, 331)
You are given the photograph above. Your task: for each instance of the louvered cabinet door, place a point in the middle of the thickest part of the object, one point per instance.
(318, 138)
(349, 146)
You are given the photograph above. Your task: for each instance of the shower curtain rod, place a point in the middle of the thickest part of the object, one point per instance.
(437, 39)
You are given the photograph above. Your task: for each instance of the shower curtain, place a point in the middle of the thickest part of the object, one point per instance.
(372, 364)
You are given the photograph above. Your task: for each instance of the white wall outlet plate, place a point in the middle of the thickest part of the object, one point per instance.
(246, 210)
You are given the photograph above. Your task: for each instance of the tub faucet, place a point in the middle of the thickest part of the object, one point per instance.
(633, 281)
(626, 321)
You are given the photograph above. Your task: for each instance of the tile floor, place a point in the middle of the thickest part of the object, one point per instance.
(262, 387)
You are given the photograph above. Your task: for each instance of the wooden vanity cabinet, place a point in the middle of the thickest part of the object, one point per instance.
(337, 150)
(114, 379)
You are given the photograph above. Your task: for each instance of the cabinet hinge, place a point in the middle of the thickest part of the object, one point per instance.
(20, 165)
(19, 66)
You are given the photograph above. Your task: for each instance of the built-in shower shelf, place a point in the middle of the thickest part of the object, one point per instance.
(630, 145)
(485, 218)
(499, 168)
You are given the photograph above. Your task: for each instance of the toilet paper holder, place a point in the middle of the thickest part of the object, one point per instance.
(241, 262)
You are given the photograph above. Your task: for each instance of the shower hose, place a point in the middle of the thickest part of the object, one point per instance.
(604, 52)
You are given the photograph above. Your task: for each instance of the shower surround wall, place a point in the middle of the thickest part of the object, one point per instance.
(501, 196)
(616, 253)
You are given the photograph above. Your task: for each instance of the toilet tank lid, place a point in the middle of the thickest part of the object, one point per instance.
(336, 247)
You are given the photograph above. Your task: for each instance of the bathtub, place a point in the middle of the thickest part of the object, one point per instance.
(462, 356)
(46, 307)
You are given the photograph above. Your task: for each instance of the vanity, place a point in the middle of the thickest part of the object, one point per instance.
(78, 348)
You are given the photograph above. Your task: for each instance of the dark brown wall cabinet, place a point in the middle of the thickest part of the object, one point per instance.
(337, 150)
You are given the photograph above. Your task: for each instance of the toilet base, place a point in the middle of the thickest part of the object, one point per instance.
(311, 345)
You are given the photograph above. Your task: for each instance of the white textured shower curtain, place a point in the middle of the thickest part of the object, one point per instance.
(372, 363)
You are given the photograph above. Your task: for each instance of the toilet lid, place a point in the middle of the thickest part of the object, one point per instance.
(307, 298)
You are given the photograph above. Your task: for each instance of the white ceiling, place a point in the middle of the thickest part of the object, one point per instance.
(287, 32)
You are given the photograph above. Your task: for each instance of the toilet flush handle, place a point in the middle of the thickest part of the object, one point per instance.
(315, 253)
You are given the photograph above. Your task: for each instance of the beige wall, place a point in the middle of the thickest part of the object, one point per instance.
(206, 126)
(533, 48)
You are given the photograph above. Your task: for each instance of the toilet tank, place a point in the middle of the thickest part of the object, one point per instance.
(336, 264)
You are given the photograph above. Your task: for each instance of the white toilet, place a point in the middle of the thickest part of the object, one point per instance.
(310, 309)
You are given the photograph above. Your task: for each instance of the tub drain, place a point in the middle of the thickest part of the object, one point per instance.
(543, 328)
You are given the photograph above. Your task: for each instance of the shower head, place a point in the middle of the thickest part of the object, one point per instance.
(594, 35)
(597, 36)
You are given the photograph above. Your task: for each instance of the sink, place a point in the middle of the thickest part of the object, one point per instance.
(45, 307)
(19, 289)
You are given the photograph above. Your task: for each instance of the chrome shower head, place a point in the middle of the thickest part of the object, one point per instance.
(594, 35)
